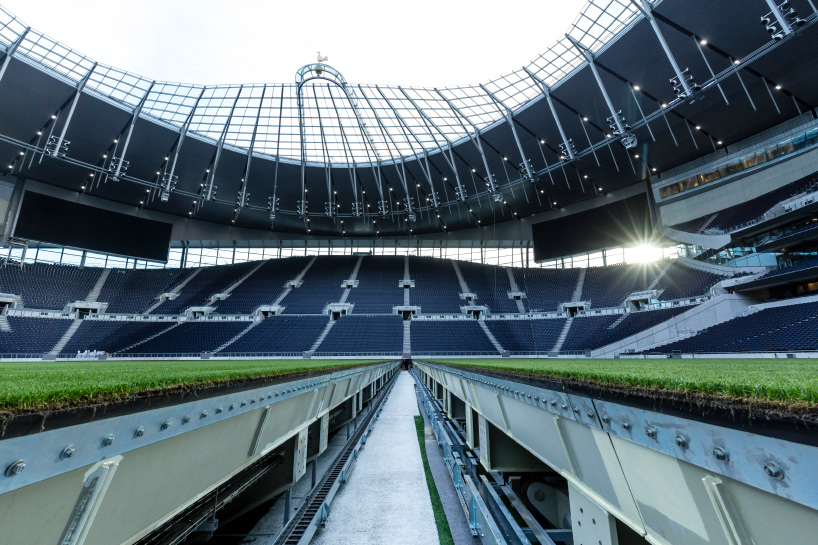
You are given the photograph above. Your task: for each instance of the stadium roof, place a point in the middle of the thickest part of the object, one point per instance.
(374, 156)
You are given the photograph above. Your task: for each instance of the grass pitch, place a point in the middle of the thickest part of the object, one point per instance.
(28, 386)
(769, 379)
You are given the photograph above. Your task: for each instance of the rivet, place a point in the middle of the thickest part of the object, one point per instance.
(721, 454)
(219, 410)
(140, 431)
(243, 403)
(108, 441)
(564, 406)
(536, 398)
(772, 469)
(651, 432)
(626, 425)
(203, 415)
(590, 414)
(276, 394)
(605, 418)
(553, 403)
(166, 424)
(269, 396)
(261, 399)
(67, 452)
(232, 406)
(186, 419)
(15, 468)
(681, 441)
(529, 396)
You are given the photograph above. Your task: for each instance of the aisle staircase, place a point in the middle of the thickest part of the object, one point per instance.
(67, 335)
(93, 295)
(176, 289)
(512, 282)
(237, 337)
(321, 337)
(177, 324)
(407, 337)
(5, 326)
(563, 334)
(577, 295)
(297, 279)
(352, 278)
(491, 337)
(662, 273)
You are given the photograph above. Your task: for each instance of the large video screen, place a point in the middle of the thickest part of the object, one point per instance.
(624, 222)
(65, 223)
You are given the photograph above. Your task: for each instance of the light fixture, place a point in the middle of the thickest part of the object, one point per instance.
(777, 87)
(664, 104)
(703, 42)
(654, 169)
(53, 116)
(504, 158)
(636, 155)
(719, 142)
(39, 133)
(445, 179)
(600, 189)
(736, 61)
(635, 87)
(607, 136)
(83, 187)
(585, 119)
(104, 155)
(542, 141)
(116, 140)
(22, 153)
(474, 170)
(698, 127)
(141, 202)
(166, 158)
(148, 190)
(208, 170)
(585, 176)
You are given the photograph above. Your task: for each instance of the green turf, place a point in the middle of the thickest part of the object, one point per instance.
(36, 385)
(444, 533)
(791, 380)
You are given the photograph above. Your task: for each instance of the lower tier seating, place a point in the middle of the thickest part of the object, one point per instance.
(44, 286)
(32, 335)
(111, 336)
(280, 334)
(526, 335)
(362, 334)
(438, 337)
(191, 338)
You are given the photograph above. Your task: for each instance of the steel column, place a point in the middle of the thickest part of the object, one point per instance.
(547, 93)
(77, 94)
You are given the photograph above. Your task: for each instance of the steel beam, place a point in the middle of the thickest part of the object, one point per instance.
(77, 94)
(10, 51)
(546, 91)
(509, 115)
(220, 146)
(131, 126)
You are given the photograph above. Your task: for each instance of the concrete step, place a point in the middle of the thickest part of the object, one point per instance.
(238, 282)
(93, 295)
(463, 286)
(177, 289)
(177, 324)
(65, 337)
(297, 279)
(352, 277)
(563, 334)
(512, 282)
(661, 274)
(4, 323)
(577, 295)
(407, 336)
(322, 336)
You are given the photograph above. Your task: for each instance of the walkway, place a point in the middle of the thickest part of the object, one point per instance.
(386, 499)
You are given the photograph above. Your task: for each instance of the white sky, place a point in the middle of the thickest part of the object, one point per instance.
(430, 43)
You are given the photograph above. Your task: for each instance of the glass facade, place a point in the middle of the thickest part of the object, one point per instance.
(743, 163)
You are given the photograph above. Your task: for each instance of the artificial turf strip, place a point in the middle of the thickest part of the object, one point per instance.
(444, 533)
(30, 386)
(769, 379)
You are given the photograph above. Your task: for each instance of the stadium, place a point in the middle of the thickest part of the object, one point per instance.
(570, 305)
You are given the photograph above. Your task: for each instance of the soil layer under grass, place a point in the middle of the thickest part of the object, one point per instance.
(772, 396)
(35, 396)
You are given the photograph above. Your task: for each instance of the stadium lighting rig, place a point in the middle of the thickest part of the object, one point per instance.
(781, 20)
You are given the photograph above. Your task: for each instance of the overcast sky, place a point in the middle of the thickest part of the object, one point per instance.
(432, 43)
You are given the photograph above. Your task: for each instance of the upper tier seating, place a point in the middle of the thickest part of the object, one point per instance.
(545, 289)
(804, 264)
(32, 335)
(610, 286)
(362, 334)
(322, 285)
(437, 290)
(44, 286)
(209, 281)
(378, 289)
(729, 218)
(491, 285)
(680, 282)
(280, 334)
(526, 336)
(263, 286)
(442, 336)
(785, 328)
(131, 291)
(111, 336)
(191, 338)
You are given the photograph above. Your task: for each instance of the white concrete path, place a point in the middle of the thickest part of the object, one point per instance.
(386, 499)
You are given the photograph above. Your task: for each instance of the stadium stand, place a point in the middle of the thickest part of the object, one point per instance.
(263, 286)
(209, 281)
(362, 334)
(526, 336)
(111, 336)
(545, 289)
(681, 282)
(190, 338)
(610, 286)
(44, 286)
(441, 336)
(804, 264)
(280, 334)
(378, 290)
(436, 288)
(322, 285)
(130, 291)
(491, 285)
(32, 335)
(783, 328)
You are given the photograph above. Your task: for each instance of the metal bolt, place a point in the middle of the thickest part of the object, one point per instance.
(67, 452)
(564, 406)
(15, 468)
(681, 441)
(590, 414)
(232, 406)
(140, 431)
(276, 394)
(252, 401)
(537, 398)
(626, 425)
(203, 415)
(605, 418)
(576, 410)
(529, 396)
(166, 424)
(243, 403)
(108, 441)
(261, 399)
(219, 410)
(553, 403)
(186, 419)
(772, 469)
(651, 432)
(721, 454)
